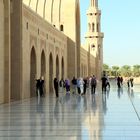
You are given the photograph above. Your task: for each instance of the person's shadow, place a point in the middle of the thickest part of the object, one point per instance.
(132, 93)
(67, 97)
(128, 91)
(85, 103)
(104, 103)
(119, 93)
(108, 92)
(56, 111)
(94, 103)
(40, 105)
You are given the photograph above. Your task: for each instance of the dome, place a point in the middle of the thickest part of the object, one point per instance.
(64, 15)
(51, 10)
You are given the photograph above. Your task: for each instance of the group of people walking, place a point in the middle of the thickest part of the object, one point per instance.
(74, 86)
(129, 81)
(80, 85)
(119, 81)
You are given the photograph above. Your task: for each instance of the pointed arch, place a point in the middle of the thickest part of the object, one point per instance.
(33, 71)
(62, 68)
(51, 73)
(43, 64)
(57, 67)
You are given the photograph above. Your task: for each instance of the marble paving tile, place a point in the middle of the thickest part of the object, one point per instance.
(110, 116)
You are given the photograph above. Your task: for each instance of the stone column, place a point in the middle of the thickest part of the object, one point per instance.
(1, 51)
(78, 39)
(16, 49)
(7, 51)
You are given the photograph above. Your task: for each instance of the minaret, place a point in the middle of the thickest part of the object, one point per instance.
(94, 39)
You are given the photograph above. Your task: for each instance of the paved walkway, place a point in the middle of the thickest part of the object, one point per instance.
(111, 116)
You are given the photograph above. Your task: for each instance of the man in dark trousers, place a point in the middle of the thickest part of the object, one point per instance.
(41, 86)
(56, 87)
(93, 84)
(85, 85)
(74, 84)
(104, 82)
(119, 82)
(131, 82)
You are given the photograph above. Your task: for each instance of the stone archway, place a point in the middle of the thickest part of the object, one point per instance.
(62, 68)
(43, 64)
(57, 67)
(32, 72)
(50, 73)
(43, 69)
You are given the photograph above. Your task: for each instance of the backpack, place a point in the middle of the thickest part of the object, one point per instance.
(93, 81)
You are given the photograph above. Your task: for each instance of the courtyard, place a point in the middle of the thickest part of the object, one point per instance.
(114, 115)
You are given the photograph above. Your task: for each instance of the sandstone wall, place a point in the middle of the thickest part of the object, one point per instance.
(1, 51)
(43, 37)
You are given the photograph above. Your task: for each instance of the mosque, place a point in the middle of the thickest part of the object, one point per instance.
(42, 38)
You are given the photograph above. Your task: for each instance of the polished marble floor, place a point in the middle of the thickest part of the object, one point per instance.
(111, 116)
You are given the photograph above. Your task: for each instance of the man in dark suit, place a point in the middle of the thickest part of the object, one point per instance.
(56, 87)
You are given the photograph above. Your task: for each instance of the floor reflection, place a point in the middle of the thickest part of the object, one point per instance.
(94, 104)
(104, 103)
(100, 116)
(131, 92)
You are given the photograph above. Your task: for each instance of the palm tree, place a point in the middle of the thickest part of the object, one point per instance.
(126, 70)
(106, 69)
(115, 70)
(136, 70)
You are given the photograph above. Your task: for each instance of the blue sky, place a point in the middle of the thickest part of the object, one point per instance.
(121, 26)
